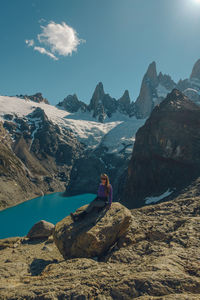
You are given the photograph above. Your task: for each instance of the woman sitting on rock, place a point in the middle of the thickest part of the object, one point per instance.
(103, 199)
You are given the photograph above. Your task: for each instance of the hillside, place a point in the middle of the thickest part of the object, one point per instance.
(157, 259)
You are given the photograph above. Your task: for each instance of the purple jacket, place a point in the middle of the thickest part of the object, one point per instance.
(101, 192)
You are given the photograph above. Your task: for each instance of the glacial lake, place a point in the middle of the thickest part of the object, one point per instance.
(18, 220)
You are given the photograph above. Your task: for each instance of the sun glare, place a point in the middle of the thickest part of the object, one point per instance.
(196, 1)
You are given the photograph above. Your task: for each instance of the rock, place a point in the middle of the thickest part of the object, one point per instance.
(36, 98)
(124, 103)
(9, 242)
(196, 70)
(72, 104)
(144, 102)
(93, 235)
(166, 151)
(193, 95)
(41, 229)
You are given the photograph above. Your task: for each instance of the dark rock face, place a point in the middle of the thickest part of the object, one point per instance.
(102, 104)
(86, 171)
(46, 153)
(166, 151)
(36, 98)
(72, 104)
(14, 177)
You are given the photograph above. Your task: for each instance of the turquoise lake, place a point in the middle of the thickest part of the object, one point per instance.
(18, 220)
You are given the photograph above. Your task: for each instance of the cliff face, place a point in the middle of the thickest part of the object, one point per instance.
(36, 157)
(166, 151)
(154, 89)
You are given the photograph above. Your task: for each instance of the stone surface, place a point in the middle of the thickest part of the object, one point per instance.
(72, 104)
(36, 157)
(41, 229)
(196, 70)
(36, 98)
(166, 151)
(93, 235)
(157, 259)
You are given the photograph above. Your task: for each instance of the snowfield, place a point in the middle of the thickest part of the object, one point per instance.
(116, 133)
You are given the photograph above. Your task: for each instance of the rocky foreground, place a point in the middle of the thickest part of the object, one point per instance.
(159, 258)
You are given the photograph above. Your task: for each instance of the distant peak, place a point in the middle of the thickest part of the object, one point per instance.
(176, 100)
(126, 93)
(196, 70)
(99, 87)
(125, 97)
(151, 71)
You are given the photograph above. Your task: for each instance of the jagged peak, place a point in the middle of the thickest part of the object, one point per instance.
(151, 71)
(99, 88)
(39, 113)
(196, 70)
(175, 101)
(125, 97)
(71, 97)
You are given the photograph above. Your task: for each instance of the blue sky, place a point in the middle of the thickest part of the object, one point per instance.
(112, 41)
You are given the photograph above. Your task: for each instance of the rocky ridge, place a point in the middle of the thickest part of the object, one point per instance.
(166, 151)
(36, 98)
(157, 259)
(102, 106)
(44, 155)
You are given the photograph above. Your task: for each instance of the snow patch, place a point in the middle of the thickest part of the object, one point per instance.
(162, 91)
(116, 133)
(149, 200)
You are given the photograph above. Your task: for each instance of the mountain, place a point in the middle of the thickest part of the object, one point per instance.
(165, 156)
(102, 106)
(72, 104)
(36, 98)
(153, 90)
(54, 145)
(41, 153)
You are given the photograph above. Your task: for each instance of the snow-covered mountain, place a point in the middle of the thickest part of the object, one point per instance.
(154, 89)
(82, 125)
(102, 107)
(52, 144)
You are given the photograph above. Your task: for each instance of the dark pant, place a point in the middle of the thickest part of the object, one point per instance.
(97, 202)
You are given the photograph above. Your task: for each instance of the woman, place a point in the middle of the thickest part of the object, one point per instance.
(103, 199)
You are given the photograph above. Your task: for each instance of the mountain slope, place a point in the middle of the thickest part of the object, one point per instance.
(165, 157)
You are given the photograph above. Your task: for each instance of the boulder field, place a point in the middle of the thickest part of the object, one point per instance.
(157, 258)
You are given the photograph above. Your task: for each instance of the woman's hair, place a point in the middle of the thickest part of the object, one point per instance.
(107, 183)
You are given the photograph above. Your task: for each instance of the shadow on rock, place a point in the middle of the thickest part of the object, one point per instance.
(92, 235)
(38, 265)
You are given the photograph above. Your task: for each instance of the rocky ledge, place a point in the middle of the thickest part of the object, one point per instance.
(158, 258)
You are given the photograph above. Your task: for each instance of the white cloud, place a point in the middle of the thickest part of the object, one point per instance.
(60, 39)
(44, 51)
(30, 43)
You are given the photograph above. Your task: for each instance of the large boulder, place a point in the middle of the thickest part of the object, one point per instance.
(41, 229)
(93, 235)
